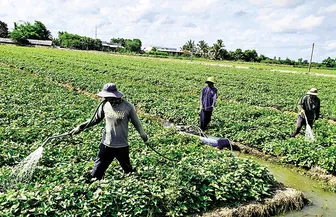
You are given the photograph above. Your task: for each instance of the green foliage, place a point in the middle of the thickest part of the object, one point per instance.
(189, 46)
(26, 30)
(251, 56)
(133, 45)
(3, 30)
(160, 53)
(217, 52)
(120, 41)
(35, 108)
(329, 62)
(130, 45)
(170, 90)
(74, 41)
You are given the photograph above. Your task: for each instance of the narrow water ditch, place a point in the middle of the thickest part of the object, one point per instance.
(323, 202)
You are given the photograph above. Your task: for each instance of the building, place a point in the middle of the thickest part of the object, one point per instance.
(31, 41)
(111, 47)
(171, 51)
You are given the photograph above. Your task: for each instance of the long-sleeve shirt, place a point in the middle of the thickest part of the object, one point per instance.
(311, 107)
(208, 98)
(116, 123)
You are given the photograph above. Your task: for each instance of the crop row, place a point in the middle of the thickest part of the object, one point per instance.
(32, 109)
(255, 87)
(171, 91)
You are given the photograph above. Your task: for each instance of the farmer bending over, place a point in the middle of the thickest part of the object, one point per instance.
(309, 106)
(117, 112)
(207, 102)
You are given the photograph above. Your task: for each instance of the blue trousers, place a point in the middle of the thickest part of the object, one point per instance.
(205, 118)
(105, 158)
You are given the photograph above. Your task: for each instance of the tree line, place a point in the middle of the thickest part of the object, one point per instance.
(25, 30)
(218, 52)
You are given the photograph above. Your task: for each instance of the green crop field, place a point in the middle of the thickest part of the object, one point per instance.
(255, 107)
(32, 109)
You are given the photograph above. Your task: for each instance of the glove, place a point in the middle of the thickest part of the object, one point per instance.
(144, 138)
(76, 130)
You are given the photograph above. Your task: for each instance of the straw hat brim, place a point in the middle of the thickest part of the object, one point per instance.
(310, 93)
(114, 93)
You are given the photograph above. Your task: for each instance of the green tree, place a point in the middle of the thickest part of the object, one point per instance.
(189, 46)
(120, 41)
(250, 56)
(238, 54)
(133, 45)
(329, 62)
(203, 48)
(42, 31)
(74, 41)
(300, 61)
(26, 30)
(154, 49)
(3, 30)
(217, 51)
(263, 58)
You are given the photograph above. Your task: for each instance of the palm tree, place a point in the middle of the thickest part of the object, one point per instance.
(217, 51)
(203, 47)
(189, 46)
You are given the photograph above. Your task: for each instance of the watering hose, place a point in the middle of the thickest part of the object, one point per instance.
(54, 137)
(158, 153)
(200, 131)
(69, 133)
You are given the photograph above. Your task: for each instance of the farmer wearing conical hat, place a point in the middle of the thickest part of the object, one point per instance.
(207, 102)
(309, 106)
(117, 112)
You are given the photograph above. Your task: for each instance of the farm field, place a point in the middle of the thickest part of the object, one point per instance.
(33, 108)
(256, 108)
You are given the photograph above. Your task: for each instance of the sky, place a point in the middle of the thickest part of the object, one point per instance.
(281, 28)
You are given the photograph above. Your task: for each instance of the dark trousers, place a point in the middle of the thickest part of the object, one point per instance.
(105, 158)
(205, 118)
(301, 121)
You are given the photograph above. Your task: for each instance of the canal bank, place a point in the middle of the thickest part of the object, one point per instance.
(323, 202)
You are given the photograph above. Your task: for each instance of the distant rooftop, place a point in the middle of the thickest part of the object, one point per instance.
(106, 44)
(163, 49)
(31, 41)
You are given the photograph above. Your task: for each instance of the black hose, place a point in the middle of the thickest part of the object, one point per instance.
(173, 160)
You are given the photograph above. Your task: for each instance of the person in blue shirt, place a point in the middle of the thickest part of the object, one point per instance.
(207, 102)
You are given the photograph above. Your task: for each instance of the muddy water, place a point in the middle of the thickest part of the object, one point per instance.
(324, 203)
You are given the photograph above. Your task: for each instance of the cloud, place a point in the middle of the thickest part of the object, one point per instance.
(195, 6)
(289, 21)
(168, 20)
(189, 25)
(329, 9)
(311, 22)
(277, 3)
(272, 27)
(240, 13)
(148, 17)
(331, 46)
